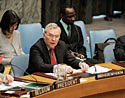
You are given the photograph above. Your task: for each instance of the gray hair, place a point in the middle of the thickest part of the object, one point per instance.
(51, 26)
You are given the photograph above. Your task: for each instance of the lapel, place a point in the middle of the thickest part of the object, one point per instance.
(59, 53)
(45, 52)
(64, 35)
(63, 32)
(74, 34)
(15, 43)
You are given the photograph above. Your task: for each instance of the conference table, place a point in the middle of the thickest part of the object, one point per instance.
(113, 87)
(89, 87)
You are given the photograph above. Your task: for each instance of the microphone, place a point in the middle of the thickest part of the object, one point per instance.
(28, 74)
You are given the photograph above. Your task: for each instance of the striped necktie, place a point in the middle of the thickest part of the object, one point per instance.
(69, 31)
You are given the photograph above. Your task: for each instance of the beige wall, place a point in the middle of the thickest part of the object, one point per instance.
(28, 10)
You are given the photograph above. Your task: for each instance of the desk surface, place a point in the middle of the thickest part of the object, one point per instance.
(105, 88)
(90, 88)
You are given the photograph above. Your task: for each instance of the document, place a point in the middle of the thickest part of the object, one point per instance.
(12, 85)
(97, 69)
(52, 74)
(76, 71)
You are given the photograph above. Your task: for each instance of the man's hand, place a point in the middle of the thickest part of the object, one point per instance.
(75, 54)
(84, 66)
(66, 68)
(69, 69)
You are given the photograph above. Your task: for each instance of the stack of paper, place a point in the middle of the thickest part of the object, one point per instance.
(97, 69)
(12, 85)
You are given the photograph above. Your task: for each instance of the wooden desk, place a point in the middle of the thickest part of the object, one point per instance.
(113, 87)
(105, 88)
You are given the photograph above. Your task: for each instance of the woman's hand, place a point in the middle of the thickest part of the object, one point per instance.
(9, 78)
(1, 81)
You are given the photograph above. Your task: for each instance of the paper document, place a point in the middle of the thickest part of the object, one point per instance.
(97, 69)
(75, 71)
(51, 74)
(11, 85)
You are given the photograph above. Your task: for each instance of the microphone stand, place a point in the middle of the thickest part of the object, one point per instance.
(28, 74)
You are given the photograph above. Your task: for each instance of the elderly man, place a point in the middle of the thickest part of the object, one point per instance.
(49, 51)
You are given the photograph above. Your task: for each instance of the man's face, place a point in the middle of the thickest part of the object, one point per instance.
(69, 16)
(51, 37)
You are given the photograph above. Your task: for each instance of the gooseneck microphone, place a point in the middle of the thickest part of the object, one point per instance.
(27, 74)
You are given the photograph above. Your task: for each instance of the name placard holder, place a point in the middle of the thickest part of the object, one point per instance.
(110, 74)
(66, 83)
(40, 91)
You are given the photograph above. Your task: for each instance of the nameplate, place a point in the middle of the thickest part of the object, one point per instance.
(66, 83)
(40, 91)
(110, 74)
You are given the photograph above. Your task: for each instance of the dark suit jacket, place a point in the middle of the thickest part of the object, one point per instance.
(75, 43)
(40, 59)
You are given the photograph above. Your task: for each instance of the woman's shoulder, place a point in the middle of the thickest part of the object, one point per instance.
(16, 32)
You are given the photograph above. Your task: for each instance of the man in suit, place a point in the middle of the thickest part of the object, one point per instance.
(73, 36)
(42, 60)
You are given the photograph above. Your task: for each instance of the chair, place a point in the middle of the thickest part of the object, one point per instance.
(82, 26)
(98, 36)
(20, 64)
(109, 53)
(30, 33)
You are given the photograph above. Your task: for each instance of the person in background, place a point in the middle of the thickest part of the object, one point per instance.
(71, 34)
(9, 38)
(49, 51)
(119, 50)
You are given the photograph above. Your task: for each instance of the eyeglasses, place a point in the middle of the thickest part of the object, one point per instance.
(56, 37)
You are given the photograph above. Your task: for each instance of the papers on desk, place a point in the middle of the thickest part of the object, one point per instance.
(92, 70)
(97, 69)
(11, 85)
(51, 74)
(75, 71)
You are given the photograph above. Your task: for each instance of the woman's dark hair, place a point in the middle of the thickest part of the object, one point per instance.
(8, 19)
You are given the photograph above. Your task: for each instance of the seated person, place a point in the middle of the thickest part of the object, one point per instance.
(71, 34)
(119, 50)
(73, 37)
(9, 38)
(49, 51)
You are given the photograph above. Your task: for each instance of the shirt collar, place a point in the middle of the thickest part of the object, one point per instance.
(63, 23)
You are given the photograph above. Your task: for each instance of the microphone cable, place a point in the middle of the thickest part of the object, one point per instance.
(26, 73)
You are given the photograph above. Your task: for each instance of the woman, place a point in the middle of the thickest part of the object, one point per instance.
(9, 38)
